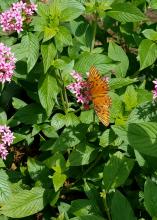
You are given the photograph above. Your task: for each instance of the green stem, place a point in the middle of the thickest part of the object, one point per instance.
(94, 33)
(106, 207)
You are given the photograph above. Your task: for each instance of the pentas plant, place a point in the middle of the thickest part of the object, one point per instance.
(6, 139)
(7, 63)
(12, 19)
(155, 89)
(81, 89)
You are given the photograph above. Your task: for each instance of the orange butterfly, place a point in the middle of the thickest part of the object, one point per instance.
(99, 92)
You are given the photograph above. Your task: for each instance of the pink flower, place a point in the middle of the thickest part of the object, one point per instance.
(12, 19)
(155, 89)
(6, 139)
(81, 89)
(7, 63)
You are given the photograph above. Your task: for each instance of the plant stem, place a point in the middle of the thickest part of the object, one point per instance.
(94, 33)
(106, 207)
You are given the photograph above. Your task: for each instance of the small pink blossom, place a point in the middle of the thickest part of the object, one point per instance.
(12, 19)
(155, 89)
(81, 89)
(6, 139)
(7, 63)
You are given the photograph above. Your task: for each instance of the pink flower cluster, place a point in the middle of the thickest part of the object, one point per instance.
(81, 89)
(7, 63)
(12, 19)
(155, 89)
(6, 139)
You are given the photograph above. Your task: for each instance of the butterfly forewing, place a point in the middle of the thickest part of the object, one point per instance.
(98, 86)
(99, 89)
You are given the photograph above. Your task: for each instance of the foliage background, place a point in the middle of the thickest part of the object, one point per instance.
(64, 164)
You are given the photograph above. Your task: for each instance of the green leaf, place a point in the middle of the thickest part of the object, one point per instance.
(142, 136)
(58, 180)
(147, 52)
(3, 117)
(87, 117)
(116, 171)
(126, 13)
(18, 103)
(48, 52)
(120, 208)
(82, 207)
(117, 83)
(71, 9)
(18, 137)
(31, 44)
(49, 33)
(48, 90)
(36, 169)
(56, 162)
(102, 62)
(130, 98)
(5, 189)
(24, 203)
(150, 197)
(58, 121)
(116, 107)
(70, 137)
(30, 114)
(87, 217)
(71, 119)
(83, 154)
(63, 37)
(107, 138)
(150, 34)
(116, 53)
(144, 112)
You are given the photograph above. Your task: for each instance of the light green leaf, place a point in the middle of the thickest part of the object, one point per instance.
(71, 9)
(24, 203)
(117, 83)
(120, 208)
(58, 180)
(31, 44)
(48, 52)
(5, 189)
(150, 34)
(63, 37)
(18, 137)
(3, 117)
(87, 117)
(48, 90)
(18, 103)
(102, 62)
(126, 13)
(150, 197)
(83, 154)
(71, 119)
(147, 52)
(143, 137)
(116, 171)
(58, 121)
(130, 98)
(116, 53)
(49, 33)
(107, 138)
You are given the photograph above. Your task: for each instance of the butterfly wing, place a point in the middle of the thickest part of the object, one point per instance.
(101, 107)
(98, 86)
(99, 89)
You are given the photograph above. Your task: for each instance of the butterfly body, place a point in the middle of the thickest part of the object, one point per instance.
(99, 94)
